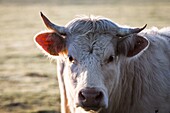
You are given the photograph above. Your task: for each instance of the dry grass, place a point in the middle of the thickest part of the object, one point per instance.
(27, 80)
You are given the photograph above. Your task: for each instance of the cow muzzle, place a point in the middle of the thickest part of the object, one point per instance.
(91, 99)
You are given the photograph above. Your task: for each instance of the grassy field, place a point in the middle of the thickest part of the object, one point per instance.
(28, 81)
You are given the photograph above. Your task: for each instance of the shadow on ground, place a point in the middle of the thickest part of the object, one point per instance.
(47, 111)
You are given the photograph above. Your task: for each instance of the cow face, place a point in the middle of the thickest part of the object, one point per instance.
(91, 64)
(90, 60)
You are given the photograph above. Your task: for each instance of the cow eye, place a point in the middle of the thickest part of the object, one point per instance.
(110, 59)
(70, 58)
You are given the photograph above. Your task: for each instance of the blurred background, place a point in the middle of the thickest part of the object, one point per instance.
(28, 80)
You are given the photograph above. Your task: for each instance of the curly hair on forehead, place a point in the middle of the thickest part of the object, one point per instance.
(91, 24)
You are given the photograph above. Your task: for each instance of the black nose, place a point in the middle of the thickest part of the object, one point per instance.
(90, 97)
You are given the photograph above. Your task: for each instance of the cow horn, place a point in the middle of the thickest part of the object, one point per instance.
(127, 31)
(51, 26)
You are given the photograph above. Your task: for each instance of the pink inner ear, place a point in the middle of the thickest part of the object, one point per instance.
(140, 44)
(50, 42)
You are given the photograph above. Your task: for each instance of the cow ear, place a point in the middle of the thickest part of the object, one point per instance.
(51, 43)
(133, 45)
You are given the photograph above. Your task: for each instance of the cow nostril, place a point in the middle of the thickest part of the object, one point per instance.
(99, 96)
(81, 96)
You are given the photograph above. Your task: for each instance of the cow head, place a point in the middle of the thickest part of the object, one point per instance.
(89, 50)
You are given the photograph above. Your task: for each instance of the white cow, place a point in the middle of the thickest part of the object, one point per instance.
(105, 68)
